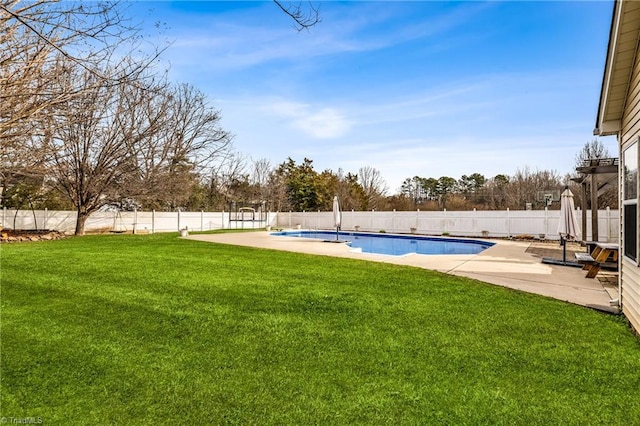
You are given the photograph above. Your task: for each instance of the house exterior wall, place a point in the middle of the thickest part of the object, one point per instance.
(630, 133)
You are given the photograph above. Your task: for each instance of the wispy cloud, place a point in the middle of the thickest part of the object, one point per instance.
(317, 123)
(360, 28)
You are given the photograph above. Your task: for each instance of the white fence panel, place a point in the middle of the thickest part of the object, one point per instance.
(508, 223)
(503, 224)
(58, 219)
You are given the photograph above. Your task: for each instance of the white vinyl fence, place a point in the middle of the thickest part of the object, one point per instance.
(136, 222)
(505, 223)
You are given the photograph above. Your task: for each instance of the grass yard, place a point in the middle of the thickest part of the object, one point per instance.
(157, 330)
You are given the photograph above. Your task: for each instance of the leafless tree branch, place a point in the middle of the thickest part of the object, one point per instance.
(303, 18)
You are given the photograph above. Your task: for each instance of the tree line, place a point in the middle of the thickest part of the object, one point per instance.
(88, 118)
(88, 123)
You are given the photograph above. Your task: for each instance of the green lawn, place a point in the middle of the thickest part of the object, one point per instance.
(158, 330)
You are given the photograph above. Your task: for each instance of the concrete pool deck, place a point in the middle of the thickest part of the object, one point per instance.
(507, 263)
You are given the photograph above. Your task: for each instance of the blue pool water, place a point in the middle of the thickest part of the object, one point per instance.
(395, 245)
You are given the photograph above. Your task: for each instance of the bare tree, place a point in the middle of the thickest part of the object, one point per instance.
(260, 176)
(261, 170)
(225, 178)
(374, 186)
(188, 144)
(525, 184)
(34, 36)
(91, 141)
(278, 191)
(608, 184)
(141, 140)
(39, 41)
(591, 150)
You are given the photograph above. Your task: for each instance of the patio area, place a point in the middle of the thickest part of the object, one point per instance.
(512, 264)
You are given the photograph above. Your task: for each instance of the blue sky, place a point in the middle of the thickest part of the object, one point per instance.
(420, 88)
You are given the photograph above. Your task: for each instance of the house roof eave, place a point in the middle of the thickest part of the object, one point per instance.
(619, 67)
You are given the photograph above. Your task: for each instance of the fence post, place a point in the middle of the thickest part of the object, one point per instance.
(178, 219)
(153, 221)
(201, 220)
(44, 225)
(608, 224)
(444, 221)
(372, 219)
(476, 231)
(508, 224)
(4, 216)
(135, 219)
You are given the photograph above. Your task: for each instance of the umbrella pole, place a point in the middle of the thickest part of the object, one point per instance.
(564, 249)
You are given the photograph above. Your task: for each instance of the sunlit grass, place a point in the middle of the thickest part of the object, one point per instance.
(161, 330)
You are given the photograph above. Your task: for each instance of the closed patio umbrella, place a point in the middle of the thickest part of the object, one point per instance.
(568, 227)
(337, 215)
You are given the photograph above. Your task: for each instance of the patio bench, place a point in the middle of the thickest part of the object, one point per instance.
(585, 258)
(604, 255)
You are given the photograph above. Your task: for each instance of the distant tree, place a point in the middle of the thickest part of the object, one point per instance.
(300, 183)
(411, 188)
(326, 186)
(278, 191)
(400, 202)
(299, 187)
(608, 195)
(591, 150)
(350, 192)
(425, 192)
(226, 181)
(374, 187)
(446, 186)
(430, 188)
(471, 183)
(525, 185)
(465, 184)
(497, 189)
(187, 144)
(260, 173)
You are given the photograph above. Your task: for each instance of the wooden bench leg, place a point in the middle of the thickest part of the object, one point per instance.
(593, 270)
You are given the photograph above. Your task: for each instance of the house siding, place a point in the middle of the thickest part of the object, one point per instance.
(629, 270)
(630, 276)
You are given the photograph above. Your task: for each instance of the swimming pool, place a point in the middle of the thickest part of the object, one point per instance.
(395, 245)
